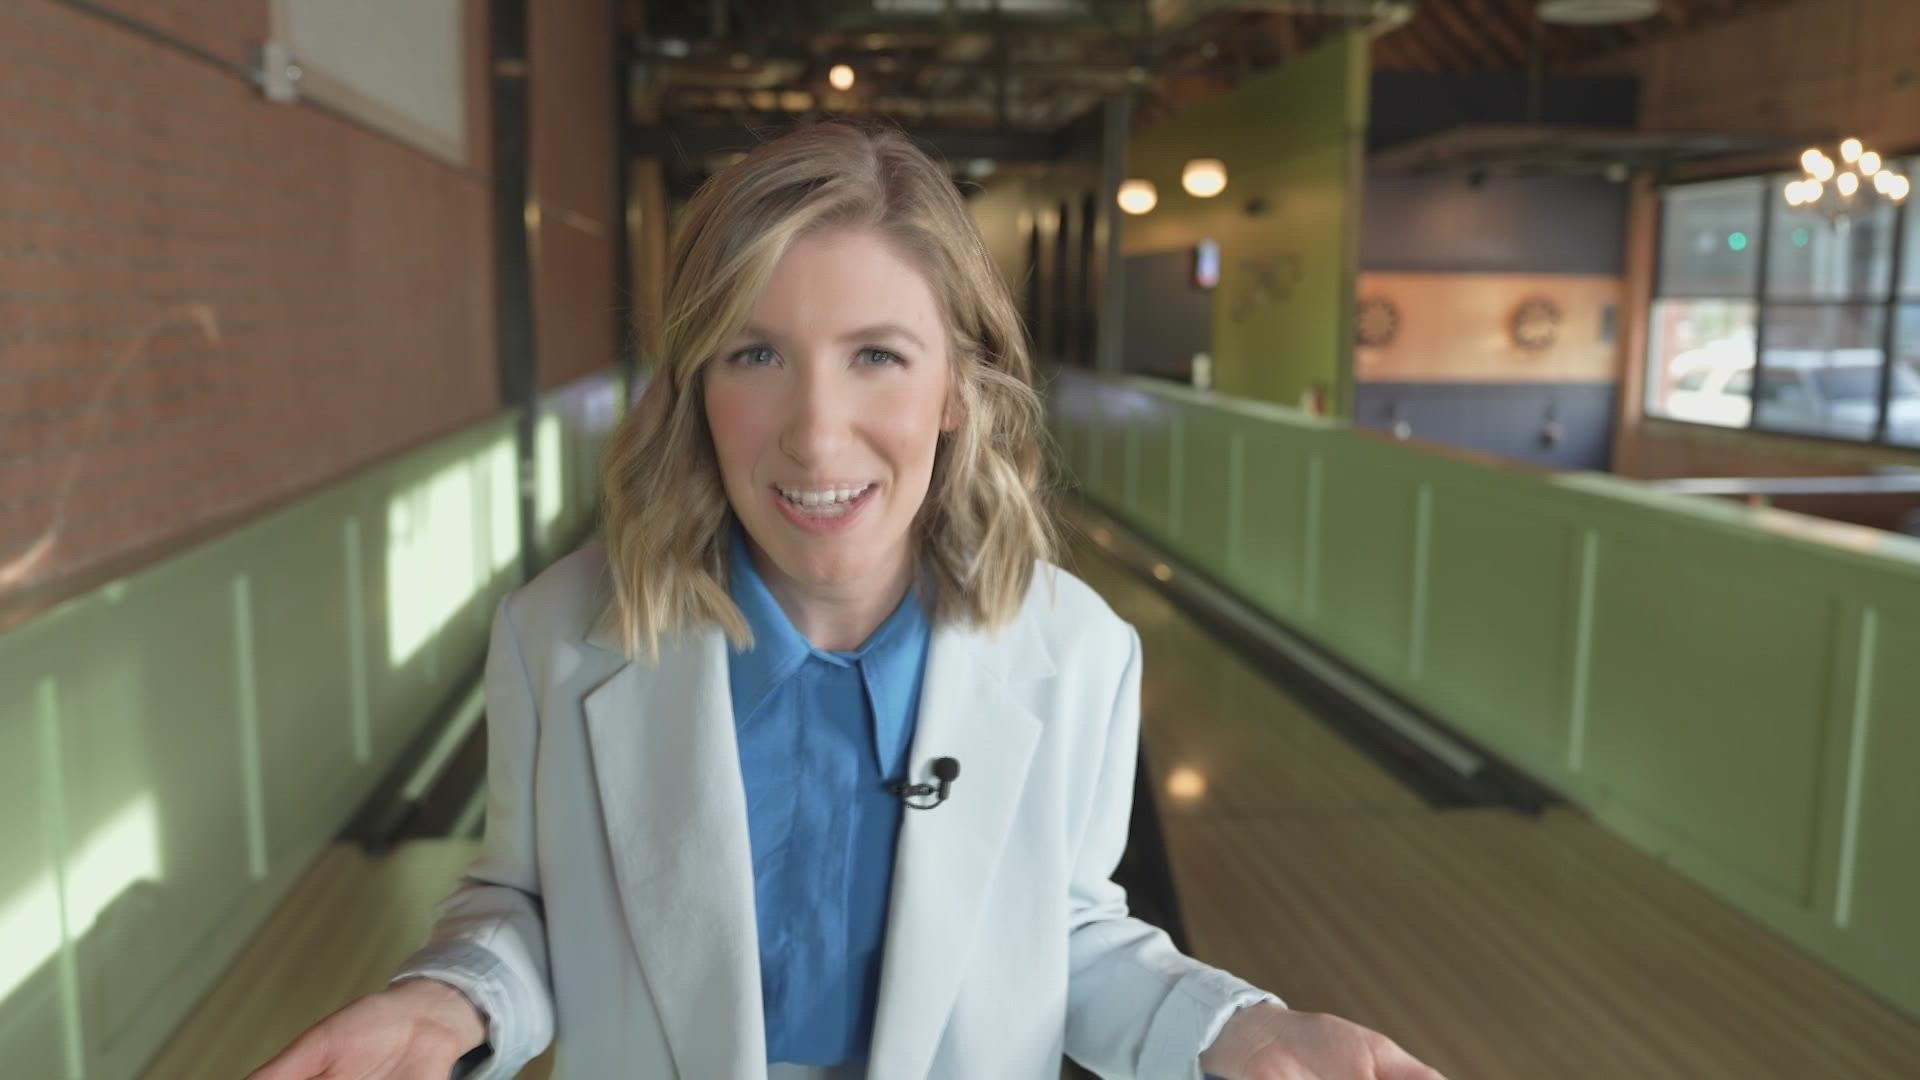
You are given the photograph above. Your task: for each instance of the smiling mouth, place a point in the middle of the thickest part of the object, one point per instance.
(823, 502)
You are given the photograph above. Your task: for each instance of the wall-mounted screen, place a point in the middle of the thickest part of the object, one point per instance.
(1206, 264)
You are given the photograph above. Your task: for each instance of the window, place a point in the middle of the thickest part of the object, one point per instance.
(1808, 259)
(1829, 311)
(1824, 361)
(1710, 238)
(1903, 405)
(1910, 253)
(1700, 359)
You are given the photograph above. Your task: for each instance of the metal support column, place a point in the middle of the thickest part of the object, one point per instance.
(509, 73)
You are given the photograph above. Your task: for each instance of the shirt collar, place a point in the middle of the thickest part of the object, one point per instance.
(779, 649)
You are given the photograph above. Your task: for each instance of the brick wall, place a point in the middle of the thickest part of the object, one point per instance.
(209, 302)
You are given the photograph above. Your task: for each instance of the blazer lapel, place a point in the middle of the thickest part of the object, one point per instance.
(668, 772)
(946, 856)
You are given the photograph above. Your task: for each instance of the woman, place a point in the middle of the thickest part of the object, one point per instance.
(824, 570)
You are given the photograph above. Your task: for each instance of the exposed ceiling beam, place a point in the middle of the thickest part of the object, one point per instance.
(692, 144)
(1424, 57)
(1447, 24)
(1419, 37)
(1511, 40)
(1393, 54)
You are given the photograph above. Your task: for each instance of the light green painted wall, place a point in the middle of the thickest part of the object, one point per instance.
(1731, 690)
(176, 746)
(1294, 138)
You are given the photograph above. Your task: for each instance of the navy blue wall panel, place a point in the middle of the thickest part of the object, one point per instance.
(1509, 419)
(1406, 105)
(1505, 225)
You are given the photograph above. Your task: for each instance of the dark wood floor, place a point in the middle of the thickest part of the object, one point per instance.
(1489, 944)
(341, 932)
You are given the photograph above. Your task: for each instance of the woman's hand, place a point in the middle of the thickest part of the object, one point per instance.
(413, 1030)
(1270, 1042)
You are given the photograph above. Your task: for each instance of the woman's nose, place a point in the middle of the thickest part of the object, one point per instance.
(816, 423)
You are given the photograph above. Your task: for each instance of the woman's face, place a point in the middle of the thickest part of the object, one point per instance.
(826, 409)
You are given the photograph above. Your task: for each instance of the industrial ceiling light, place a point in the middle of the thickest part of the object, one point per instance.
(1204, 177)
(1137, 196)
(840, 77)
(1596, 12)
(1850, 190)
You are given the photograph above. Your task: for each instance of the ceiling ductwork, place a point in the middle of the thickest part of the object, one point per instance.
(1177, 17)
(1032, 68)
(1014, 8)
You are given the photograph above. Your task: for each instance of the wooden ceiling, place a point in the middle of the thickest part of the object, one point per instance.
(1499, 35)
(1443, 37)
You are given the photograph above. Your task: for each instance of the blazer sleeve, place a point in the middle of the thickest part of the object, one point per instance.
(488, 938)
(1137, 1007)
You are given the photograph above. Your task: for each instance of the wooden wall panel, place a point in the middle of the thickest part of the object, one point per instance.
(1457, 327)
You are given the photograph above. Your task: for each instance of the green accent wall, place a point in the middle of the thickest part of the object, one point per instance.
(1732, 690)
(1293, 138)
(176, 746)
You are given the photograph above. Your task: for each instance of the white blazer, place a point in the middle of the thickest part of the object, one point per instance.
(612, 904)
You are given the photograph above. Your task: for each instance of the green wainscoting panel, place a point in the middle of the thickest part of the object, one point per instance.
(1734, 690)
(1499, 638)
(177, 745)
(1365, 602)
(34, 1031)
(1273, 521)
(1672, 681)
(1154, 440)
(1879, 864)
(1205, 490)
(1111, 476)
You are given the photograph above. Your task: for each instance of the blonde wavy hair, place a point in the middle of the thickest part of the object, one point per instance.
(985, 521)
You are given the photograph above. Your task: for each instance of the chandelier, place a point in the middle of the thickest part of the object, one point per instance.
(1859, 182)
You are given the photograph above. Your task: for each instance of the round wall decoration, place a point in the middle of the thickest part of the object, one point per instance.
(1536, 324)
(1377, 322)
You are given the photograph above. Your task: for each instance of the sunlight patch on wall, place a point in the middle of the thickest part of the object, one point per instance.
(124, 851)
(552, 468)
(430, 559)
(497, 478)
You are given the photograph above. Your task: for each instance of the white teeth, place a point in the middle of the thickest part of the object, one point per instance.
(825, 500)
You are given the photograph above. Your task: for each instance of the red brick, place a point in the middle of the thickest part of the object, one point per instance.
(349, 278)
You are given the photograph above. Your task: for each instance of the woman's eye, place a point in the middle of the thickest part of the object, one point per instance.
(754, 356)
(879, 357)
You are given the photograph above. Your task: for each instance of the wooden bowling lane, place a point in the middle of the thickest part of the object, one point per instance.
(1489, 944)
(340, 933)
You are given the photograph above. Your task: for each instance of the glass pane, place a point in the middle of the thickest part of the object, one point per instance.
(1700, 361)
(1710, 238)
(1910, 272)
(1823, 369)
(1903, 421)
(1811, 259)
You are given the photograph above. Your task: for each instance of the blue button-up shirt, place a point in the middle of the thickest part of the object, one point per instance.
(821, 733)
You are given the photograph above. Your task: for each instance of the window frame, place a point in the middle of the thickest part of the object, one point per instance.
(1890, 303)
